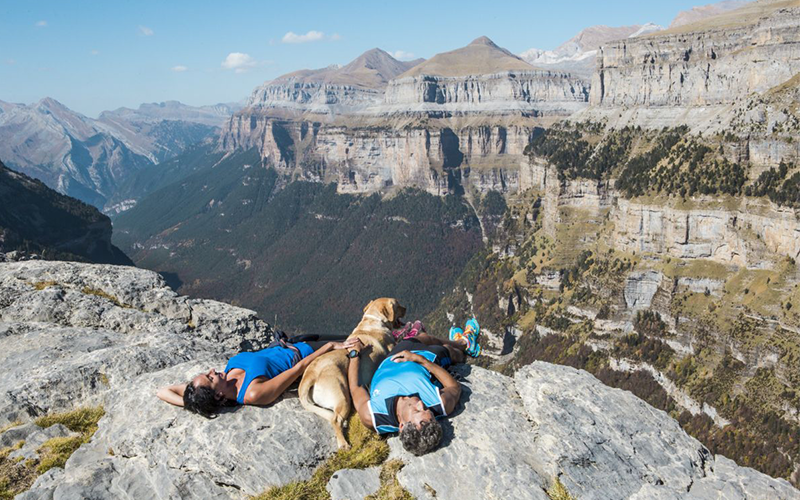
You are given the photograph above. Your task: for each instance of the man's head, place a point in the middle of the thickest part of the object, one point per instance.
(420, 432)
(207, 392)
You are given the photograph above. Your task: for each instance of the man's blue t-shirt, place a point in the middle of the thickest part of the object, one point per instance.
(393, 380)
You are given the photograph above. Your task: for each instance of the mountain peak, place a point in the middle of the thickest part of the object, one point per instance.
(372, 69)
(50, 103)
(482, 56)
(484, 40)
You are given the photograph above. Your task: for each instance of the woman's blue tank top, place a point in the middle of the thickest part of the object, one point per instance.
(269, 363)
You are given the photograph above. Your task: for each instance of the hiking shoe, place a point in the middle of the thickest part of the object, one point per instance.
(471, 332)
(456, 334)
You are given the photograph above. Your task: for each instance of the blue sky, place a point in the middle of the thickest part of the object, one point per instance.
(100, 55)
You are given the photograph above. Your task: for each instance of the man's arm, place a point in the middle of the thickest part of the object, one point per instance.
(359, 395)
(451, 389)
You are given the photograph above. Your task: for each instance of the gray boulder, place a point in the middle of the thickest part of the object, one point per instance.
(354, 484)
(606, 443)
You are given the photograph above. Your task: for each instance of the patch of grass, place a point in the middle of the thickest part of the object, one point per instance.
(367, 449)
(100, 293)
(558, 491)
(55, 452)
(390, 487)
(15, 477)
(41, 285)
(83, 420)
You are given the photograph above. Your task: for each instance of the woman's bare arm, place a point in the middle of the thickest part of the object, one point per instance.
(172, 394)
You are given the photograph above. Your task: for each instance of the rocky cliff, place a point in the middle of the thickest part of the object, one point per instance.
(373, 158)
(578, 54)
(330, 91)
(368, 127)
(35, 220)
(603, 260)
(696, 73)
(82, 334)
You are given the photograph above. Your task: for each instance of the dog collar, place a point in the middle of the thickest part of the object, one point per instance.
(371, 316)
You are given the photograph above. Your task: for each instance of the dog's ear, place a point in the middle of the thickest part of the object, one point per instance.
(367, 306)
(401, 311)
(392, 310)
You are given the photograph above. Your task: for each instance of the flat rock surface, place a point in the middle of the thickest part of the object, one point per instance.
(489, 450)
(354, 484)
(66, 345)
(606, 443)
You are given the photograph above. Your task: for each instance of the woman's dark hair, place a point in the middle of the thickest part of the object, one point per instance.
(201, 400)
(420, 440)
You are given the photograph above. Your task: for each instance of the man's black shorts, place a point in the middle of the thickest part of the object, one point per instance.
(412, 344)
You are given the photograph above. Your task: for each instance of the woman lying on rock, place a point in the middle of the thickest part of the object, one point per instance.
(250, 378)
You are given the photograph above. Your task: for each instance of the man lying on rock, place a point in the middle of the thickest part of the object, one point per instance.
(412, 388)
(250, 378)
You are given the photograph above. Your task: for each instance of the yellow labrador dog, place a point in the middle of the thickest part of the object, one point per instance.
(324, 389)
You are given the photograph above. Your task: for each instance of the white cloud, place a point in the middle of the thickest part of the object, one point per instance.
(336, 36)
(239, 62)
(41, 24)
(180, 69)
(311, 36)
(402, 55)
(11, 61)
(145, 31)
(95, 52)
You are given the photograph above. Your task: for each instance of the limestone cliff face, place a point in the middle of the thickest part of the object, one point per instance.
(534, 93)
(709, 64)
(739, 233)
(370, 158)
(720, 235)
(368, 127)
(313, 97)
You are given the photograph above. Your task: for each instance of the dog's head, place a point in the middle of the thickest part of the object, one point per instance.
(389, 309)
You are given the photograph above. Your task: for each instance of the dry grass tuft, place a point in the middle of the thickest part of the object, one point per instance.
(17, 475)
(100, 293)
(558, 491)
(390, 487)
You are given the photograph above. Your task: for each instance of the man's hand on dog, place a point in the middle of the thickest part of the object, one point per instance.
(347, 344)
(409, 356)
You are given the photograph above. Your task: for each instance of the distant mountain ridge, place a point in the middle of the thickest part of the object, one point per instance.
(89, 158)
(579, 52)
(330, 91)
(705, 11)
(212, 115)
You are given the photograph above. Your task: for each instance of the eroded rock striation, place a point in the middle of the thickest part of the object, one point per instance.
(65, 346)
(378, 122)
(696, 73)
